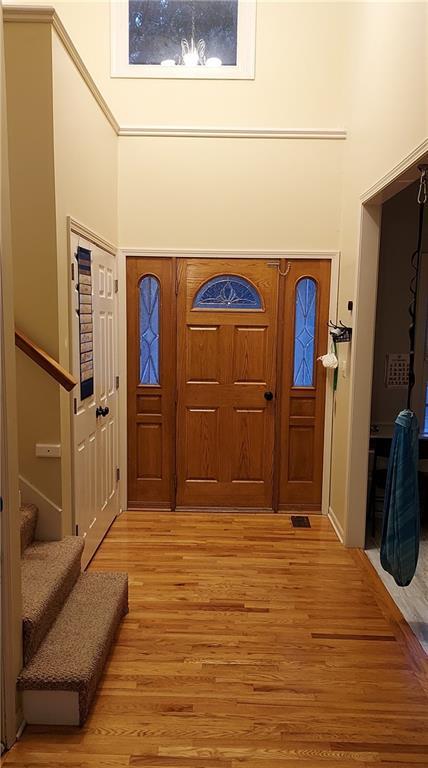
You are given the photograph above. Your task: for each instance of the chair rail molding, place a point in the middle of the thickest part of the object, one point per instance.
(229, 132)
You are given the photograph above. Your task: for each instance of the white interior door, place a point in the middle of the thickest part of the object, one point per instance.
(96, 492)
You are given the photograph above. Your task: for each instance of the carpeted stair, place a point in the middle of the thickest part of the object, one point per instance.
(49, 571)
(28, 525)
(69, 622)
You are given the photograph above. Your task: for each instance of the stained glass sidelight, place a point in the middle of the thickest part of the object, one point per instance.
(227, 292)
(149, 330)
(304, 332)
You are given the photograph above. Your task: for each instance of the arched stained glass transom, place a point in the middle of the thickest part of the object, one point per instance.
(227, 292)
(149, 330)
(304, 332)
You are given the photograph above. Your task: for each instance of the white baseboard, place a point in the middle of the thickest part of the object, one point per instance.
(49, 521)
(21, 730)
(336, 525)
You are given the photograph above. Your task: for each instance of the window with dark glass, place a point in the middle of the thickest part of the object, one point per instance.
(176, 32)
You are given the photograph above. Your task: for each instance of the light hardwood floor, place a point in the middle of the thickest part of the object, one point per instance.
(249, 644)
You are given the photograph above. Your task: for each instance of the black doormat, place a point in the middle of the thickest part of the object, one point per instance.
(300, 521)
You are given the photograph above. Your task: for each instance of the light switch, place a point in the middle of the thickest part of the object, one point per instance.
(48, 450)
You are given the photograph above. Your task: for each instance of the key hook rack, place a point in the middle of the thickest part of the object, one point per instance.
(340, 333)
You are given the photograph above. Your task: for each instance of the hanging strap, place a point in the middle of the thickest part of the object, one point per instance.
(416, 261)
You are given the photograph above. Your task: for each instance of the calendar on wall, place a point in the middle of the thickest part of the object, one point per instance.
(86, 335)
(397, 370)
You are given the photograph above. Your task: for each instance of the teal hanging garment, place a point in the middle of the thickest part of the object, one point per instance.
(401, 522)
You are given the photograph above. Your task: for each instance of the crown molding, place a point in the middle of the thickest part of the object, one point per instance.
(46, 15)
(29, 13)
(214, 132)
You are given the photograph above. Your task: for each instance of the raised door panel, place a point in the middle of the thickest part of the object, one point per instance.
(202, 444)
(149, 451)
(250, 350)
(149, 405)
(203, 359)
(248, 445)
(85, 468)
(301, 454)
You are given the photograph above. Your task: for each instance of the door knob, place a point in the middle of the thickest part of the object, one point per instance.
(102, 411)
(268, 395)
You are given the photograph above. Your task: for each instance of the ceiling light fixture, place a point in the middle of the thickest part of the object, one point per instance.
(193, 53)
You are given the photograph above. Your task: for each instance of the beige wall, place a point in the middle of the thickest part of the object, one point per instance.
(63, 156)
(387, 118)
(229, 193)
(31, 155)
(300, 48)
(85, 150)
(10, 600)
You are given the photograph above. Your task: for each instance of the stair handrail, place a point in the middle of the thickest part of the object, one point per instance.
(45, 361)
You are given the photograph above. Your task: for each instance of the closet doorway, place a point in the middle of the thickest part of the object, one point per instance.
(226, 399)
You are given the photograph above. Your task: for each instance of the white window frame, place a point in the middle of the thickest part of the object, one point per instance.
(243, 70)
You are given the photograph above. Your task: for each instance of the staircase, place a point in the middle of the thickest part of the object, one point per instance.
(69, 624)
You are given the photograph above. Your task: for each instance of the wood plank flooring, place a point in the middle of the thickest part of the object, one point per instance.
(249, 644)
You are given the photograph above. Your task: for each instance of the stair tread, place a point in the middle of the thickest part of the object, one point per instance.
(29, 514)
(62, 658)
(49, 571)
(73, 653)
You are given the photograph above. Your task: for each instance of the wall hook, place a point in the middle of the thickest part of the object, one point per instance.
(341, 332)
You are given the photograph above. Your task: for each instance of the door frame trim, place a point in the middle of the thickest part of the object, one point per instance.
(362, 353)
(207, 253)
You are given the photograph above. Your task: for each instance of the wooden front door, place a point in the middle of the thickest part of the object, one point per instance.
(226, 382)
(226, 398)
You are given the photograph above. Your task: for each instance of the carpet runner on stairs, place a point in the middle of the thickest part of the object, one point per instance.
(49, 571)
(28, 525)
(69, 623)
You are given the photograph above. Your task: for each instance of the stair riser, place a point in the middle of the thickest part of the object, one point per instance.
(51, 707)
